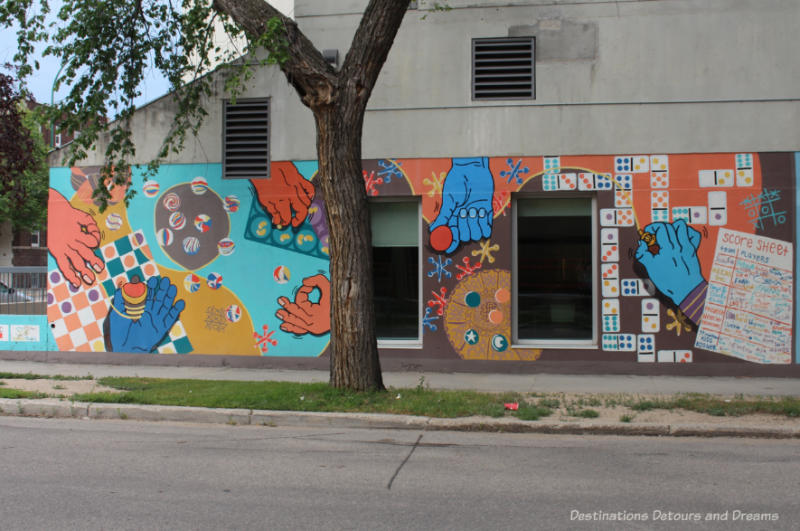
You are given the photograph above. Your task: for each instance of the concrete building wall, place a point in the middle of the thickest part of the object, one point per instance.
(676, 76)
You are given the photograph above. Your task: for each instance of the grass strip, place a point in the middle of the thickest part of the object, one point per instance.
(16, 393)
(291, 396)
(720, 407)
(32, 376)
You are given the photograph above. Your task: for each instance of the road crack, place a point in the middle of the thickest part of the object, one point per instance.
(400, 467)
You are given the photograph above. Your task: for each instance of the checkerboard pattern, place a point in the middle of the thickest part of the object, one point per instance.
(125, 258)
(76, 314)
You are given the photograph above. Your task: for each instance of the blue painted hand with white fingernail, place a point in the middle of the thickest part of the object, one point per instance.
(466, 214)
(675, 268)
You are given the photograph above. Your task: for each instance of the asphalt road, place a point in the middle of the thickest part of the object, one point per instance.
(80, 474)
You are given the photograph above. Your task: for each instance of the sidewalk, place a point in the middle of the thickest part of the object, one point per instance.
(753, 426)
(542, 383)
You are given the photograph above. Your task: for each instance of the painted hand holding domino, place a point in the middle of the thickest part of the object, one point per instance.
(674, 269)
(466, 214)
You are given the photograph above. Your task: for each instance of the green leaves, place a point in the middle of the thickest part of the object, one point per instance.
(23, 172)
(108, 47)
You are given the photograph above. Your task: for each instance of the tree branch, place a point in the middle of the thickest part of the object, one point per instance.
(313, 79)
(371, 44)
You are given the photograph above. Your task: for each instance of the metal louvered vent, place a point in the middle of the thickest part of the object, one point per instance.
(246, 139)
(503, 68)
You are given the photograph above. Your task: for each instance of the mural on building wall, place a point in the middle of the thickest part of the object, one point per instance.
(694, 257)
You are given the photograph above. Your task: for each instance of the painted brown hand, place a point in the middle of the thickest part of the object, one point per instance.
(72, 234)
(286, 194)
(303, 316)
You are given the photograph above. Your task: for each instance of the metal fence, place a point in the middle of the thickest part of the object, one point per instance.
(23, 290)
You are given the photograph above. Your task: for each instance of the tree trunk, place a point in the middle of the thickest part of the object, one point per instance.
(354, 353)
(339, 101)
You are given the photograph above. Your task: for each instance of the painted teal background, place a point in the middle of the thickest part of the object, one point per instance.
(247, 272)
(45, 337)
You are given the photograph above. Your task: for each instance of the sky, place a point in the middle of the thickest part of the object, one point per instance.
(40, 83)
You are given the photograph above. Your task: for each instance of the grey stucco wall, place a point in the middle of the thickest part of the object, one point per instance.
(611, 77)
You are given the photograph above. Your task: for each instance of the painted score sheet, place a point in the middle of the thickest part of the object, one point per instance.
(748, 309)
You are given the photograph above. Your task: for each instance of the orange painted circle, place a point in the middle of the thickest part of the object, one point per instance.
(129, 261)
(496, 316)
(149, 270)
(109, 251)
(502, 295)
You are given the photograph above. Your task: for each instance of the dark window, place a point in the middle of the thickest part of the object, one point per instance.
(554, 269)
(395, 262)
(245, 138)
(503, 68)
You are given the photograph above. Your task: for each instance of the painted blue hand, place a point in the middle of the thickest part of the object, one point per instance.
(674, 269)
(160, 313)
(466, 210)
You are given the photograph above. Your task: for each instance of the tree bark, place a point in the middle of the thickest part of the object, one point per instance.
(339, 101)
(354, 352)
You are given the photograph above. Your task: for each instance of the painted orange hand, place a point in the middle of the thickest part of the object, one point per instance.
(285, 191)
(303, 316)
(72, 234)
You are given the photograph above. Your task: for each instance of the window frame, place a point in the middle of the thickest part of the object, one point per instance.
(224, 129)
(553, 343)
(410, 343)
(478, 40)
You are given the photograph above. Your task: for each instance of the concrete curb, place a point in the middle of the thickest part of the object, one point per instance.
(53, 408)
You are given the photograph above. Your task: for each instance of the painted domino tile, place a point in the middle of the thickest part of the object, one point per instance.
(610, 287)
(675, 356)
(623, 198)
(640, 163)
(717, 208)
(553, 182)
(616, 217)
(695, 215)
(646, 344)
(651, 315)
(610, 270)
(609, 245)
(645, 357)
(611, 321)
(594, 181)
(659, 171)
(619, 342)
(633, 287)
(744, 169)
(567, 181)
(623, 181)
(712, 178)
(622, 164)
(659, 206)
(551, 164)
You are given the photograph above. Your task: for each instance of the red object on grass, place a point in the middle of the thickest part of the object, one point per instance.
(513, 406)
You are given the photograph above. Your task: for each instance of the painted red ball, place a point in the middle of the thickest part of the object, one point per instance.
(441, 238)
